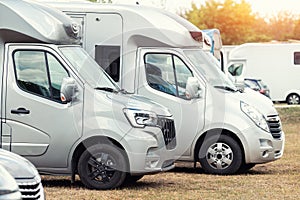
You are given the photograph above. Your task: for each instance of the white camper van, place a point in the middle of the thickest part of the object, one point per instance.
(277, 64)
(62, 112)
(159, 54)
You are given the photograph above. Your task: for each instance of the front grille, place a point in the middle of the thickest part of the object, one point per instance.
(274, 126)
(31, 189)
(168, 129)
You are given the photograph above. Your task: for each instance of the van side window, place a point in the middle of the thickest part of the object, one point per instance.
(108, 57)
(296, 58)
(236, 69)
(39, 73)
(167, 73)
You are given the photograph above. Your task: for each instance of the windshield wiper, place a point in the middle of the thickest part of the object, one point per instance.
(123, 91)
(108, 89)
(224, 87)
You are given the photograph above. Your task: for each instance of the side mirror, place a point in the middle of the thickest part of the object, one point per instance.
(193, 89)
(68, 90)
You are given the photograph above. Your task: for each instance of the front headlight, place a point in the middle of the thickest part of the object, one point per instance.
(255, 116)
(140, 118)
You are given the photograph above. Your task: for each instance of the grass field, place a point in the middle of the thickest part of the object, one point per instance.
(275, 180)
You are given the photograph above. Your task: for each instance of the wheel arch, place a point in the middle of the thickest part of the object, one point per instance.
(88, 142)
(217, 131)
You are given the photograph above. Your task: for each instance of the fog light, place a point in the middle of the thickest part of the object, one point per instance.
(151, 163)
(265, 154)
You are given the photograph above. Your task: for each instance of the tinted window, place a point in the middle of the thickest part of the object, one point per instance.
(39, 73)
(235, 69)
(167, 73)
(297, 58)
(108, 57)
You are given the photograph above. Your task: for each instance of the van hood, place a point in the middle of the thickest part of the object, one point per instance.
(134, 101)
(7, 182)
(17, 166)
(258, 101)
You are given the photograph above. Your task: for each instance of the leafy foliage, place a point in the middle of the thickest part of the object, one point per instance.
(238, 24)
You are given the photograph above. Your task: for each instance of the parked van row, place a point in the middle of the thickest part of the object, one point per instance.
(160, 55)
(156, 97)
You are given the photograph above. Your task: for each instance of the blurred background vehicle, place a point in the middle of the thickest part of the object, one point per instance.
(9, 189)
(257, 85)
(24, 173)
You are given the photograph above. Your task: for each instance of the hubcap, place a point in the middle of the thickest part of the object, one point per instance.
(219, 155)
(101, 167)
(294, 99)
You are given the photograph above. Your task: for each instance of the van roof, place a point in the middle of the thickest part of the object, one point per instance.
(165, 27)
(28, 21)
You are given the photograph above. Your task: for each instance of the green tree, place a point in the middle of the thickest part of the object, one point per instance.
(234, 20)
(282, 26)
(296, 34)
(260, 31)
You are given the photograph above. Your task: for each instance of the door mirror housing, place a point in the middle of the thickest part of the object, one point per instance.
(68, 90)
(193, 89)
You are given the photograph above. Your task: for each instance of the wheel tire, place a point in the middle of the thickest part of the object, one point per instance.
(220, 154)
(132, 179)
(246, 167)
(293, 99)
(102, 166)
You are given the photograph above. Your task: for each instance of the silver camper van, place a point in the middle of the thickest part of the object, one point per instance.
(64, 113)
(158, 54)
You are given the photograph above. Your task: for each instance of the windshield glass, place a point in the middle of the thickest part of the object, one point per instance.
(88, 69)
(209, 67)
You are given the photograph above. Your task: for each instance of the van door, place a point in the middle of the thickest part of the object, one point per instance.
(43, 128)
(162, 76)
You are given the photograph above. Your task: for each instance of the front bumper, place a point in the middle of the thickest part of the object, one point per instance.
(31, 188)
(261, 147)
(12, 196)
(147, 151)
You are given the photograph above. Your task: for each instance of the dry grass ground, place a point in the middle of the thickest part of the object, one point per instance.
(275, 180)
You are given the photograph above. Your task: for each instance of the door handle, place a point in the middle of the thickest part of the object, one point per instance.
(20, 111)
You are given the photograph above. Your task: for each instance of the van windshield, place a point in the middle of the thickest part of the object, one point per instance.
(88, 68)
(210, 69)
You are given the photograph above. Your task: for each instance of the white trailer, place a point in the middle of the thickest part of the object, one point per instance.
(278, 65)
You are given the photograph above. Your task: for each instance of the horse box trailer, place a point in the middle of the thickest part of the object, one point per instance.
(62, 112)
(277, 64)
(158, 54)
